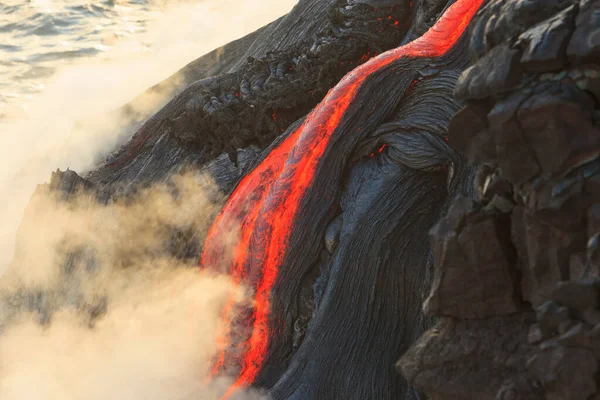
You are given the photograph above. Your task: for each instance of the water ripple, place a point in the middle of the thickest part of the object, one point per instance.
(37, 37)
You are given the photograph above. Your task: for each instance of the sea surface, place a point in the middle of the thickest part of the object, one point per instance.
(39, 37)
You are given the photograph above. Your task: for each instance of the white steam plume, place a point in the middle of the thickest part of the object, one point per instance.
(137, 323)
(50, 137)
(96, 304)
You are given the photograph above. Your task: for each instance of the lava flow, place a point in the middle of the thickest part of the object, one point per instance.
(263, 206)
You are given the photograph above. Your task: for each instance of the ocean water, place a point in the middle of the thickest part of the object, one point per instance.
(39, 37)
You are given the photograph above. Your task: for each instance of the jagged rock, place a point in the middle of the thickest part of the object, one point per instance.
(580, 294)
(68, 183)
(448, 272)
(585, 42)
(469, 360)
(226, 169)
(544, 253)
(564, 202)
(501, 204)
(488, 254)
(520, 389)
(560, 205)
(496, 185)
(223, 102)
(550, 315)
(543, 139)
(566, 373)
(514, 156)
(495, 73)
(481, 148)
(501, 19)
(544, 44)
(468, 134)
(549, 130)
(580, 336)
(473, 267)
(556, 124)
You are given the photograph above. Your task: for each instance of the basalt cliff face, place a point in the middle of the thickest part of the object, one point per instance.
(516, 283)
(405, 180)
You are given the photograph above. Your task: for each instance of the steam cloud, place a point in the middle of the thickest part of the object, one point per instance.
(51, 136)
(94, 304)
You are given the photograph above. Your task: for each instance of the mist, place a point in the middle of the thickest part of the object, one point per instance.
(50, 135)
(98, 304)
(94, 300)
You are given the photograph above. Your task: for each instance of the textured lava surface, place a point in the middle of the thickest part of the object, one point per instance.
(263, 209)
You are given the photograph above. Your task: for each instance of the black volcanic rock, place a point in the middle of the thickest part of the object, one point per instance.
(495, 73)
(566, 373)
(557, 125)
(474, 275)
(471, 359)
(542, 266)
(540, 146)
(585, 42)
(468, 133)
(248, 92)
(550, 316)
(580, 335)
(501, 19)
(513, 154)
(68, 183)
(579, 294)
(544, 44)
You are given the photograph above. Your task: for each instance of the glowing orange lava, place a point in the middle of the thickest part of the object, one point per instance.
(263, 206)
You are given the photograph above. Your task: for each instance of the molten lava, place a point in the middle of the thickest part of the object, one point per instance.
(263, 206)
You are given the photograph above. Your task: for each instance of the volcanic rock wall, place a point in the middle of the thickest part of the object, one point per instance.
(517, 270)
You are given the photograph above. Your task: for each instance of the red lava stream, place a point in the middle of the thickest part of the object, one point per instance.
(265, 202)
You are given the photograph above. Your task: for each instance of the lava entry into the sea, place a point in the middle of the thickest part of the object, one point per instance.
(266, 201)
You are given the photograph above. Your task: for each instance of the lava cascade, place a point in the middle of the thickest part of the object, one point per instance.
(263, 206)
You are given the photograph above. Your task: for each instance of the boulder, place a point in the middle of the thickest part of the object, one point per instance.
(584, 45)
(544, 45)
(497, 72)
